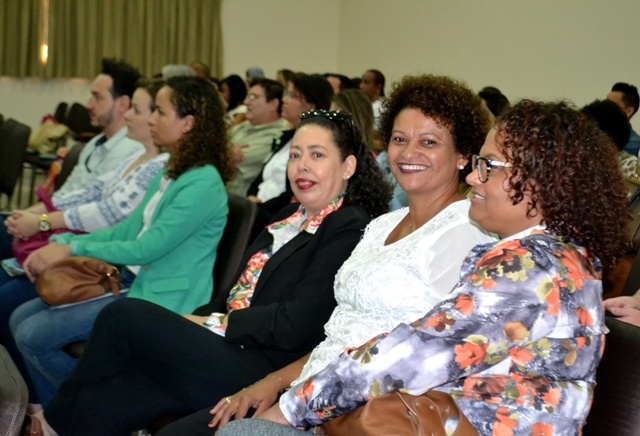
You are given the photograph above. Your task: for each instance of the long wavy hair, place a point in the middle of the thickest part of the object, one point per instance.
(449, 102)
(356, 103)
(368, 186)
(206, 142)
(570, 169)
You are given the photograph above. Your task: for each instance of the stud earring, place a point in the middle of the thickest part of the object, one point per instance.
(461, 167)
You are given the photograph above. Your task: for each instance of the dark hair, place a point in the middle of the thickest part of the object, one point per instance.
(495, 100)
(287, 75)
(206, 142)
(357, 104)
(151, 87)
(237, 90)
(449, 102)
(124, 77)
(272, 89)
(368, 187)
(571, 170)
(611, 119)
(315, 89)
(345, 82)
(379, 79)
(630, 96)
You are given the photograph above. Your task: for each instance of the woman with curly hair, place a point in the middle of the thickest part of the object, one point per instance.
(273, 315)
(234, 91)
(518, 341)
(167, 246)
(408, 259)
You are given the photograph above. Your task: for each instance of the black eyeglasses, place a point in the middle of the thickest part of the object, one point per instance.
(484, 166)
(336, 117)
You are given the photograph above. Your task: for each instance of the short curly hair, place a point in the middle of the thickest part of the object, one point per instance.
(449, 102)
(570, 169)
(368, 186)
(206, 142)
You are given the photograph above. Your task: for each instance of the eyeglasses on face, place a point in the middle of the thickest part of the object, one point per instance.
(252, 96)
(484, 166)
(292, 94)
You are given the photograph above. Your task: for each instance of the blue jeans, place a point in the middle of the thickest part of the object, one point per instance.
(14, 291)
(41, 332)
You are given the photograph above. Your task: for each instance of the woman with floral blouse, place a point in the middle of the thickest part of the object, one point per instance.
(518, 341)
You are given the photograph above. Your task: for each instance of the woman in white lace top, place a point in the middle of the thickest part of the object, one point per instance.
(407, 258)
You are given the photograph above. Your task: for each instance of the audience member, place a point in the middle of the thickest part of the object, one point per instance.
(613, 121)
(407, 260)
(270, 189)
(168, 244)
(251, 140)
(339, 82)
(355, 102)
(111, 93)
(252, 74)
(494, 100)
(626, 96)
(518, 341)
(284, 76)
(273, 315)
(372, 85)
(234, 91)
(110, 99)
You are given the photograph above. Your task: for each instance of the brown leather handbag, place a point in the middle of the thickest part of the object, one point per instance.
(401, 414)
(77, 279)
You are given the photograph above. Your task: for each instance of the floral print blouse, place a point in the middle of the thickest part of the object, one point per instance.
(517, 344)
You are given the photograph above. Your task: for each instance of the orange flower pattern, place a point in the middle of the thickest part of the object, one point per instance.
(495, 344)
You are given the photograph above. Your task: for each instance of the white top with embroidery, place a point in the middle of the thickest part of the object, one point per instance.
(380, 286)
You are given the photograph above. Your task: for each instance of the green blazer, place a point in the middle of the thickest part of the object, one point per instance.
(177, 252)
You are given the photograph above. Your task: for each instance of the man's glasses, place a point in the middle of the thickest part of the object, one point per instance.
(251, 96)
(484, 166)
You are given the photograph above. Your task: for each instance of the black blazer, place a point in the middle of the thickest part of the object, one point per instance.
(294, 297)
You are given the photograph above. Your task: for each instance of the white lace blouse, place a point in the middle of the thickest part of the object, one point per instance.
(380, 286)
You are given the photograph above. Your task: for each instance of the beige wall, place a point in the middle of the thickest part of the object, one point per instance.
(545, 49)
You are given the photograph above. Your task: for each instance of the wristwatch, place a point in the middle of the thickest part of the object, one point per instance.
(44, 225)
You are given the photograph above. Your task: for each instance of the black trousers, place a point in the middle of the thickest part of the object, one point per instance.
(143, 362)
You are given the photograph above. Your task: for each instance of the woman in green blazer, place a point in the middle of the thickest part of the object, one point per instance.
(168, 244)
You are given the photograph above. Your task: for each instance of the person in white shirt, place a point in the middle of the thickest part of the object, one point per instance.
(110, 99)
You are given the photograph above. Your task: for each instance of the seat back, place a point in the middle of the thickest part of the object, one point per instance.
(234, 241)
(70, 161)
(14, 137)
(61, 112)
(617, 394)
(13, 396)
(79, 123)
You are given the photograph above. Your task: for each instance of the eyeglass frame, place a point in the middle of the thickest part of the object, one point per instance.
(253, 96)
(334, 116)
(490, 164)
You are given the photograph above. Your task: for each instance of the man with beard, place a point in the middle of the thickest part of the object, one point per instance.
(111, 93)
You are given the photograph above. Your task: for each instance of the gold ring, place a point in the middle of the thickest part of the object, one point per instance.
(228, 400)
